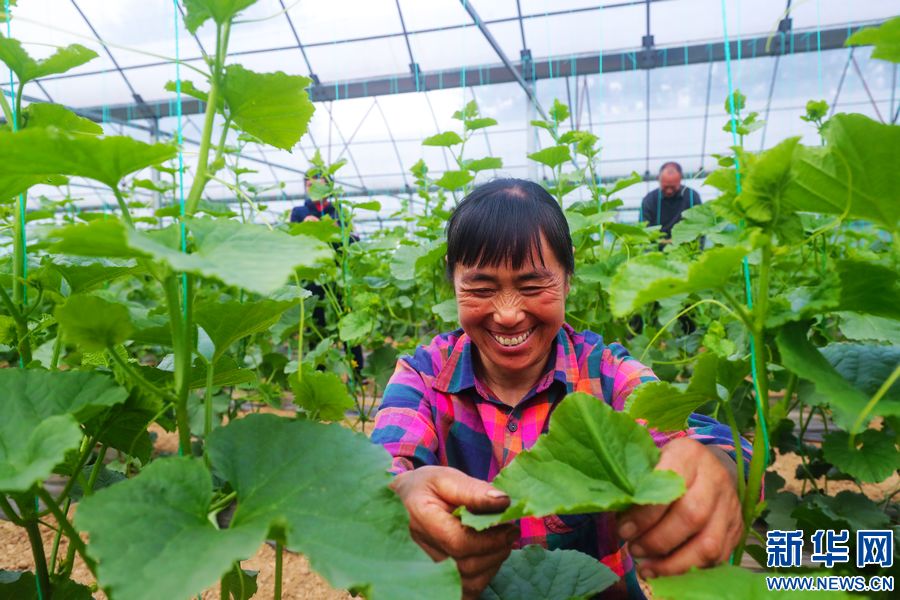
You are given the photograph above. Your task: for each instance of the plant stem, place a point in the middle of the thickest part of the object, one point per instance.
(138, 378)
(22, 341)
(738, 448)
(279, 551)
(75, 540)
(126, 214)
(207, 403)
(57, 347)
(212, 101)
(40, 559)
(181, 348)
(10, 512)
(861, 419)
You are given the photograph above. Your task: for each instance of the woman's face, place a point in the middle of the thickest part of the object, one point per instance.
(512, 315)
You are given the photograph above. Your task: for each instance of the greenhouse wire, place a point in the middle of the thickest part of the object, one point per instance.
(180, 140)
(746, 267)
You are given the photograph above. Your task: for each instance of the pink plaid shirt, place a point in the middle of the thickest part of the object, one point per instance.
(435, 411)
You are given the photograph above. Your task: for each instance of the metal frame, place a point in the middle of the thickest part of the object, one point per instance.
(796, 42)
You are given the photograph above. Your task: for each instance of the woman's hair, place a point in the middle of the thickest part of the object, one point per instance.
(501, 221)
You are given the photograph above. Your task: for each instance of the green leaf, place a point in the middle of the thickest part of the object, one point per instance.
(552, 156)
(872, 458)
(355, 326)
(49, 151)
(765, 183)
(40, 420)
(237, 254)
(335, 507)
(865, 366)
(593, 459)
(483, 164)
(322, 395)
(239, 584)
(445, 139)
(481, 123)
(273, 107)
(847, 510)
(28, 69)
(735, 102)
(695, 223)
(407, 259)
(85, 276)
(22, 585)
(453, 180)
(44, 114)
(559, 112)
(187, 88)
(801, 357)
(470, 111)
(373, 205)
(380, 364)
(534, 573)
(227, 322)
(181, 552)
(709, 584)
(852, 174)
(447, 311)
(93, 323)
(666, 406)
(651, 277)
(220, 11)
(885, 38)
(857, 326)
(856, 277)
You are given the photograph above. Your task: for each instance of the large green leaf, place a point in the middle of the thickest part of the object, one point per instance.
(247, 256)
(483, 164)
(853, 173)
(725, 581)
(83, 275)
(93, 323)
(453, 180)
(667, 406)
(552, 156)
(408, 259)
(535, 573)
(856, 277)
(885, 38)
(45, 114)
(50, 151)
(322, 396)
(180, 552)
(872, 458)
(593, 459)
(355, 326)
(22, 585)
(273, 107)
(446, 139)
(239, 584)
(334, 506)
(227, 322)
(865, 366)
(220, 11)
(652, 277)
(801, 357)
(847, 510)
(28, 69)
(860, 327)
(41, 411)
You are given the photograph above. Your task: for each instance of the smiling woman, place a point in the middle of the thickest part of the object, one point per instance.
(462, 407)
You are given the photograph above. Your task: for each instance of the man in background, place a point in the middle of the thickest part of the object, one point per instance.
(314, 210)
(665, 205)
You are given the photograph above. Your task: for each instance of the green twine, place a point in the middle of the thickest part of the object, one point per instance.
(745, 265)
(180, 137)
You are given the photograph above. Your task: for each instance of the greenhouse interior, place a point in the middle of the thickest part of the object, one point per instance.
(499, 299)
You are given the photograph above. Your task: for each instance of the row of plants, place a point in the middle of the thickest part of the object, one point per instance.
(116, 325)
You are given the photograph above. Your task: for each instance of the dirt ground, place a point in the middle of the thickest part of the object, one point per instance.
(299, 582)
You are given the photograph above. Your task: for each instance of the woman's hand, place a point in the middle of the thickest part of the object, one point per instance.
(430, 495)
(701, 528)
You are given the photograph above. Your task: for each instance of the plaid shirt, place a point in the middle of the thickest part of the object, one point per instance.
(435, 411)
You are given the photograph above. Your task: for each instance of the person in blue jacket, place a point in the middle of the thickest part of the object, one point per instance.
(314, 210)
(664, 206)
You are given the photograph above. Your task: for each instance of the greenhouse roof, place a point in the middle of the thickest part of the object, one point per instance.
(648, 77)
